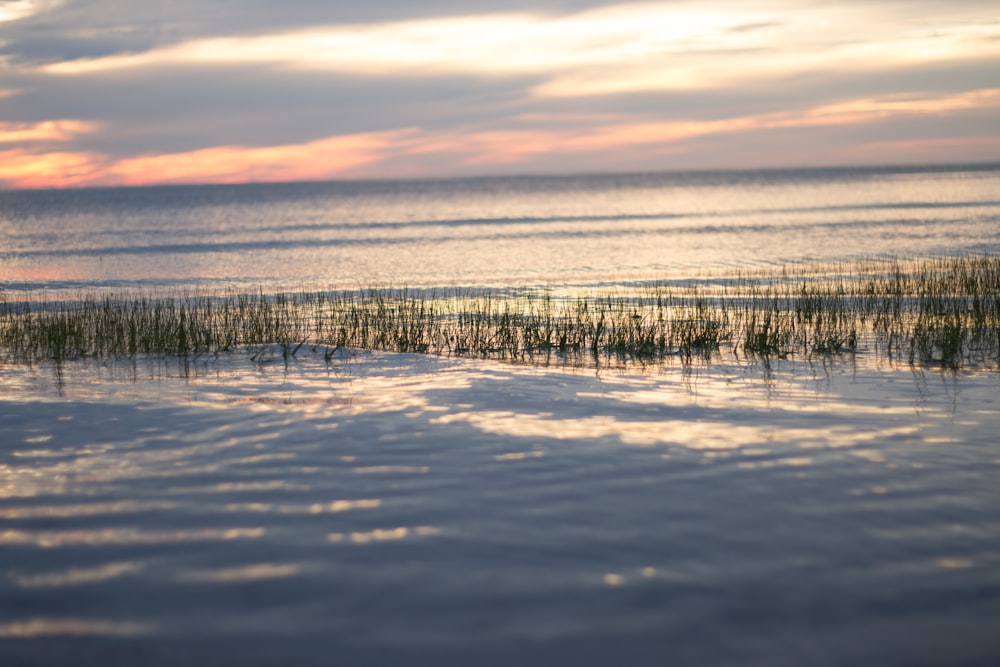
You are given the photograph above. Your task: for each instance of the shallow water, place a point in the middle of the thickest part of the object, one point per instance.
(388, 508)
(382, 509)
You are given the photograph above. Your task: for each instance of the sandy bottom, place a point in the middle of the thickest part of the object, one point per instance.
(402, 509)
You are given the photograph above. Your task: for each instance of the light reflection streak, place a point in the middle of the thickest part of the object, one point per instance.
(56, 627)
(53, 539)
(78, 576)
(240, 487)
(128, 460)
(333, 507)
(713, 394)
(387, 392)
(693, 435)
(519, 456)
(250, 507)
(788, 461)
(258, 572)
(616, 579)
(870, 455)
(613, 579)
(384, 534)
(78, 510)
(389, 470)
(261, 458)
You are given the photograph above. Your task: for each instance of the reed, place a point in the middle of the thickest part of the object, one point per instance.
(943, 312)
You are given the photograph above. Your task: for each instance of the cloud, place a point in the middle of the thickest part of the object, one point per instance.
(609, 50)
(922, 150)
(93, 28)
(46, 131)
(324, 158)
(502, 147)
(26, 169)
(16, 10)
(402, 152)
(107, 91)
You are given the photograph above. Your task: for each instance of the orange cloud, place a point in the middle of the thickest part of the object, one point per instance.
(49, 130)
(315, 160)
(23, 169)
(510, 147)
(907, 104)
(388, 153)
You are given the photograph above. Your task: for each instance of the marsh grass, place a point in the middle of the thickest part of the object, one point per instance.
(942, 312)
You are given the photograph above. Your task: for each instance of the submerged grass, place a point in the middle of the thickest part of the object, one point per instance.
(940, 312)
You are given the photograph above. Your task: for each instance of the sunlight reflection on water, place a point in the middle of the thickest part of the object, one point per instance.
(401, 509)
(584, 230)
(58, 627)
(440, 505)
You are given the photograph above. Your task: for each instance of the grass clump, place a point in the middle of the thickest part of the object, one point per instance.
(942, 312)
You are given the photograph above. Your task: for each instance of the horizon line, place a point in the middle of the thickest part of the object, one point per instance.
(906, 167)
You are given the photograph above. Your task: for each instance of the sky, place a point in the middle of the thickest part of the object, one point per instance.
(124, 92)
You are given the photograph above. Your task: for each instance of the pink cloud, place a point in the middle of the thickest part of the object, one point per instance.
(411, 151)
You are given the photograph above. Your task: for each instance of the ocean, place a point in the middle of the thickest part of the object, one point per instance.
(372, 508)
(496, 232)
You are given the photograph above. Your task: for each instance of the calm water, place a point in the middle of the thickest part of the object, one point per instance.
(503, 231)
(385, 509)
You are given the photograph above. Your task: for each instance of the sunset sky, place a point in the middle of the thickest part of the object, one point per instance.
(110, 92)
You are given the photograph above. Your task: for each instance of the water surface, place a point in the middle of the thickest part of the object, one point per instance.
(385, 509)
(493, 231)
(401, 507)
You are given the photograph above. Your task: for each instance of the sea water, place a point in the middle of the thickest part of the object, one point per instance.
(404, 509)
(489, 231)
